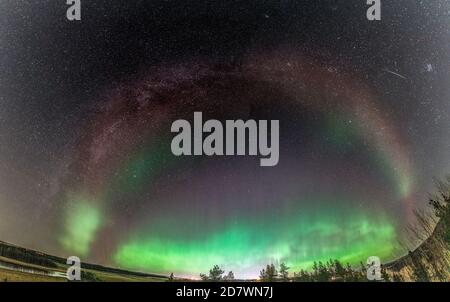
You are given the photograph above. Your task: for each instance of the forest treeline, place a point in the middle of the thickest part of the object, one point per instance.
(330, 271)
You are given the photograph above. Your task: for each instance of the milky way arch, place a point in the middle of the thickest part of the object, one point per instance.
(344, 166)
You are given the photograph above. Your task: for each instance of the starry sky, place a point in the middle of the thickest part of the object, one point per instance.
(86, 109)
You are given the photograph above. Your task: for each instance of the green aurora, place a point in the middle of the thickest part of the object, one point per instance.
(246, 245)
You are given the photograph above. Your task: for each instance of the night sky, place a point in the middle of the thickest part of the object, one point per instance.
(86, 109)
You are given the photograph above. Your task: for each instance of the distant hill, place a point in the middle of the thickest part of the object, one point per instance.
(31, 262)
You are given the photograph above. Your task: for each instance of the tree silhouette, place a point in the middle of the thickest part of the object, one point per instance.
(331, 271)
(229, 276)
(284, 272)
(269, 274)
(303, 276)
(215, 274)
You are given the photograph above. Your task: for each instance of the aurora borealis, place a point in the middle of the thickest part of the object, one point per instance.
(85, 161)
(242, 209)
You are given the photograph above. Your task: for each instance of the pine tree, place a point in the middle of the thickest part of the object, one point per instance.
(215, 274)
(263, 275)
(229, 276)
(269, 274)
(323, 273)
(303, 276)
(339, 271)
(284, 272)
